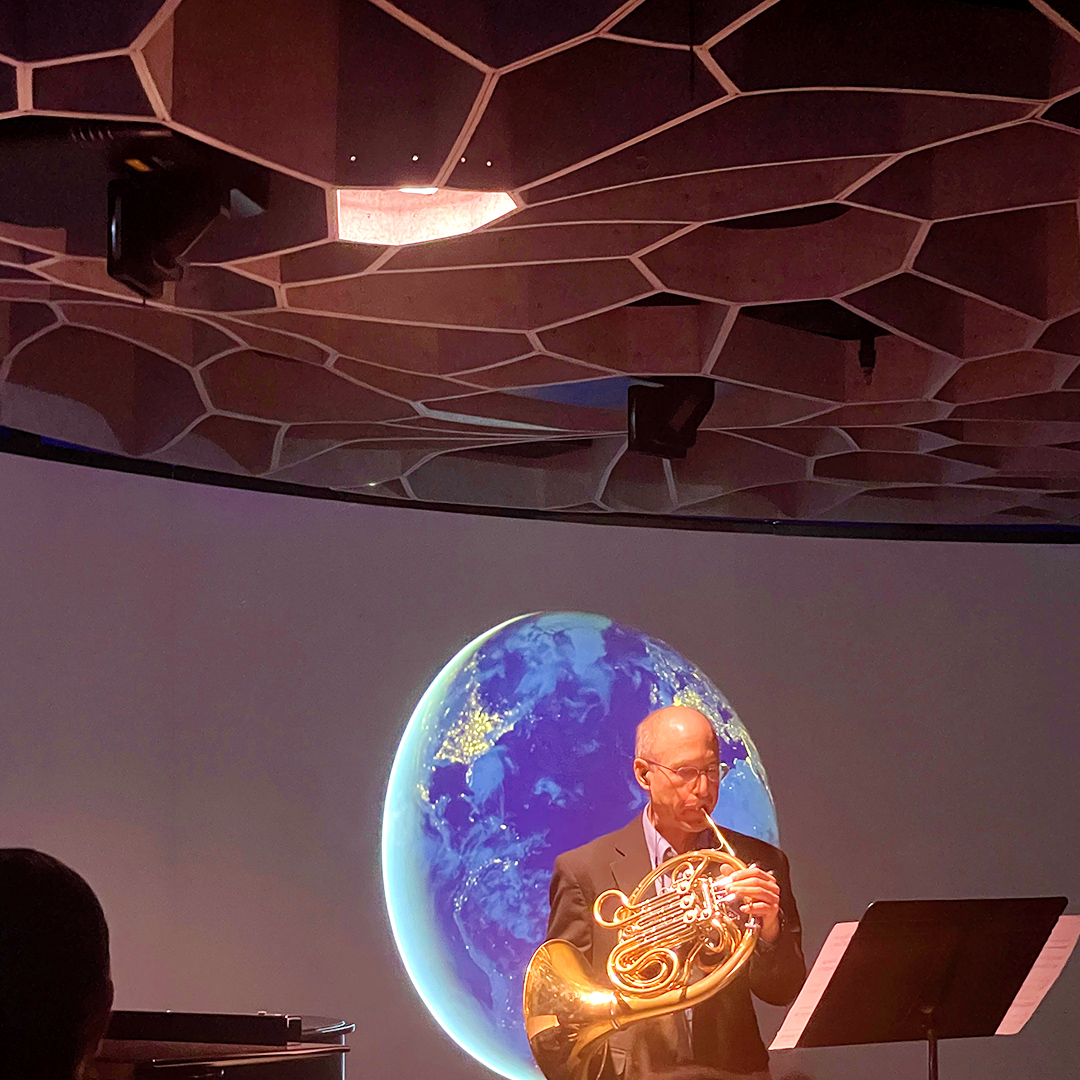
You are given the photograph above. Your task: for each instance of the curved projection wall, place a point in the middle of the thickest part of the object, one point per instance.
(203, 691)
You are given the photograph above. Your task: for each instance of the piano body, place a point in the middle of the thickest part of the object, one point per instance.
(219, 1046)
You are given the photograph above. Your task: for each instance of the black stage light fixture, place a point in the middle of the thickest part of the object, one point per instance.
(159, 206)
(160, 190)
(663, 414)
(153, 219)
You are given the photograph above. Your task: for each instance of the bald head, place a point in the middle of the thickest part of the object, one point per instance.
(673, 724)
(670, 744)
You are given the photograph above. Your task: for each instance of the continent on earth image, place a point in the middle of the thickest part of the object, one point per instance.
(520, 749)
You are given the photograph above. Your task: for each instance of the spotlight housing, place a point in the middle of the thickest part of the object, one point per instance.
(663, 415)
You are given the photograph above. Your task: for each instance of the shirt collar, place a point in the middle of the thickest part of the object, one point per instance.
(657, 845)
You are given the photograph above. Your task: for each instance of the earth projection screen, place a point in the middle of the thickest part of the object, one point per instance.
(521, 749)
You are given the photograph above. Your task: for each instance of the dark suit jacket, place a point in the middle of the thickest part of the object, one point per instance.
(725, 1031)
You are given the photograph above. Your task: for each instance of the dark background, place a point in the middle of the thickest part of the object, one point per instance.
(202, 691)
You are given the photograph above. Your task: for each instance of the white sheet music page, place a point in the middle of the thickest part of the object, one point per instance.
(1043, 974)
(800, 1012)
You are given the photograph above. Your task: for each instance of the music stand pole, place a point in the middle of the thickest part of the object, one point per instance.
(931, 1045)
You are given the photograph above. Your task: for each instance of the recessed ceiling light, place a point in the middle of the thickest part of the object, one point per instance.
(413, 215)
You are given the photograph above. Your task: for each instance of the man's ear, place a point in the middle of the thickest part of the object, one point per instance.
(641, 769)
(96, 1026)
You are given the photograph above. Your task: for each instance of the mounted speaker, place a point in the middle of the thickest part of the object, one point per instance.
(663, 414)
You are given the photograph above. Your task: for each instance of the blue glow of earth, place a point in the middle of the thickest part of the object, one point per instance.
(519, 750)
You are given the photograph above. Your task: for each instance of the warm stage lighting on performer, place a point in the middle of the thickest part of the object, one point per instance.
(413, 215)
(520, 749)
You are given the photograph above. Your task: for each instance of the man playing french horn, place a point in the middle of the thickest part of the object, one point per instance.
(677, 761)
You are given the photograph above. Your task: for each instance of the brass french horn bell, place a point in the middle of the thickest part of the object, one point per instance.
(673, 951)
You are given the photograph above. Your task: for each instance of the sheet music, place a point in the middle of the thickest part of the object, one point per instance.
(800, 1012)
(1043, 974)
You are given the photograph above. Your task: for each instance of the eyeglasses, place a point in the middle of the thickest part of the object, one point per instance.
(688, 774)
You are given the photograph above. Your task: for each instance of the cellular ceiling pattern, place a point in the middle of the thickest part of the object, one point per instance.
(859, 219)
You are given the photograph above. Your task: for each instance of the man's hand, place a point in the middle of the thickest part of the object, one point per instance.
(761, 898)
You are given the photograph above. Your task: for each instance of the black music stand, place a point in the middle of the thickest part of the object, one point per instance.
(931, 969)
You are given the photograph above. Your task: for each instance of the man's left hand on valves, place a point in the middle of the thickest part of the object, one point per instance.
(760, 896)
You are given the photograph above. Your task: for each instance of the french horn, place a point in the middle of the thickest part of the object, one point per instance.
(674, 950)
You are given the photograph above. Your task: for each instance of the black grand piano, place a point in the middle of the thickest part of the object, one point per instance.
(220, 1046)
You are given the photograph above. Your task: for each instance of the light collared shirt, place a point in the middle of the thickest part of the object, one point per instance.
(660, 850)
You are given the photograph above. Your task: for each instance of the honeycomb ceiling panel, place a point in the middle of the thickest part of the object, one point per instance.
(145, 400)
(1027, 260)
(1008, 432)
(276, 388)
(108, 85)
(295, 215)
(677, 22)
(227, 444)
(943, 318)
(769, 129)
(887, 467)
(263, 340)
(1004, 51)
(886, 414)
(548, 244)
(402, 99)
(739, 407)
(9, 96)
(760, 266)
(399, 345)
(575, 104)
(986, 172)
(901, 439)
(507, 298)
(1056, 465)
(497, 476)
(500, 32)
(536, 370)
(279, 63)
(50, 29)
(20, 320)
(213, 288)
(1063, 336)
(303, 441)
(533, 412)
(727, 463)
(352, 466)
(635, 337)
(191, 341)
(782, 358)
(710, 195)
(639, 483)
(1061, 406)
(326, 261)
(928, 504)
(402, 384)
(1010, 375)
(859, 221)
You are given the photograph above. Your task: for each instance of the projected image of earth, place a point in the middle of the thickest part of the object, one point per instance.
(519, 750)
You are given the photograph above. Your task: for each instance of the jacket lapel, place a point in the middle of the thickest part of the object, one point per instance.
(631, 862)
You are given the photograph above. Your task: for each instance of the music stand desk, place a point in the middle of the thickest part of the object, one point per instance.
(931, 970)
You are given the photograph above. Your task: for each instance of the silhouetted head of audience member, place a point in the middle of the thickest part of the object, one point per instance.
(55, 989)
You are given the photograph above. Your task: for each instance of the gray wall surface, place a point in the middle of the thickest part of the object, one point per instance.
(201, 691)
